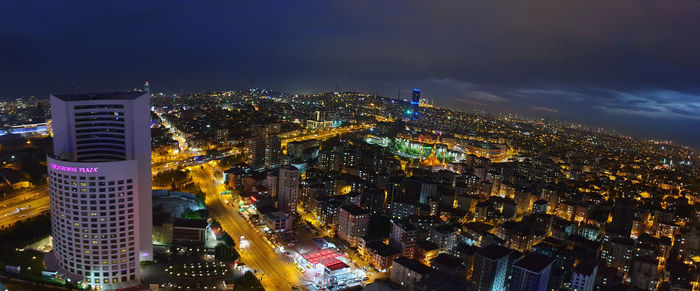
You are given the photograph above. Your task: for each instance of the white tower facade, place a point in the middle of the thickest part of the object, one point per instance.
(100, 186)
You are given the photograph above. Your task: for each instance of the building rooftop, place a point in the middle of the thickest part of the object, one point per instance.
(494, 252)
(534, 262)
(381, 249)
(277, 215)
(405, 225)
(445, 229)
(463, 249)
(236, 171)
(354, 209)
(191, 223)
(413, 265)
(585, 268)
(479, 227)
(647, 259)
(448, 260)
(337, 266)
(100, 96)
(427, 245)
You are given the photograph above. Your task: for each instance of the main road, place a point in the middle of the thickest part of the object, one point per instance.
(322, 135)
(277, 272)
(24, 205)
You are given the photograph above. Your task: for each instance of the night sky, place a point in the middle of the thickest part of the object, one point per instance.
(632, 66)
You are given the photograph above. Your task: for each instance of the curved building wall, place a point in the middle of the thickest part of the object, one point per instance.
(94, 219)
(106, 127)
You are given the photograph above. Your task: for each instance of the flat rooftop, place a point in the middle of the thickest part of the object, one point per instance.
(100, 96)
(494, 252)
(413, 265)
(534, 262)
(585, 268)
(354, 210)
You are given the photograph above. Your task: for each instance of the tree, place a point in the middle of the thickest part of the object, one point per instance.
(223, 252)
(248, 282)
(228, 240)
(191, 214)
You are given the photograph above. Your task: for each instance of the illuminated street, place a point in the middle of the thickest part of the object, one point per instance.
(37, 200)
(276, 272)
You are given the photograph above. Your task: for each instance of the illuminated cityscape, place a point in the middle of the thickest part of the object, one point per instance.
(454, 183)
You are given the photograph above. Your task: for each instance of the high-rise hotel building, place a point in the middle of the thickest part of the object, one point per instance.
(100, 186)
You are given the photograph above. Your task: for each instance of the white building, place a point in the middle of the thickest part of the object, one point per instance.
(583, 277)
(100, 186)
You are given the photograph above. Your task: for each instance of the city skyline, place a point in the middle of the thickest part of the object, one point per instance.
(603, 64)
(348, 145)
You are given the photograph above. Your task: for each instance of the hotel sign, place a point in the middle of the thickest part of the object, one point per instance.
(58, 167)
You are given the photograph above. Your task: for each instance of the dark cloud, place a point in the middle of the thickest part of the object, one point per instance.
(631, 65)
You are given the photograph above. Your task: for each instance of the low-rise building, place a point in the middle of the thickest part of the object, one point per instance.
(407, 272)
(644, 273)
(380, 255)
(451, 265)
(445, 236)
(583, 276)
(189, 230)
(277, 221)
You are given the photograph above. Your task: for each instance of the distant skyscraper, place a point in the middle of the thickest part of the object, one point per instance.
(288, 188)
(256, 153)
(100, 186)
(415, 101)
(491, 268)
(273, 151)
(147, 87)
(531, 273)
(320, 115)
